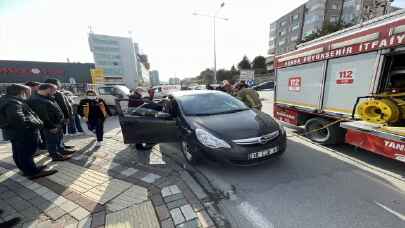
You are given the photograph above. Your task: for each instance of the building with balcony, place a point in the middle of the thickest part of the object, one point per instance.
(292, 28)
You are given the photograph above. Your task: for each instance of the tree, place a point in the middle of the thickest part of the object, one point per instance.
(326, 29)
(259, 64)
(244, 64)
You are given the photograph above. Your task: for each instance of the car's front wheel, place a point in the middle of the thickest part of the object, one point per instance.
(189, 153)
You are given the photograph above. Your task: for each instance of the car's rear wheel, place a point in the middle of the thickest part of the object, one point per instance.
(143, 146)
(189, 153)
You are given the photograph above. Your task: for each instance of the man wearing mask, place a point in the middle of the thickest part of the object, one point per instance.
(64, 105)
(52, 116)
(21, 126)
(94, 110)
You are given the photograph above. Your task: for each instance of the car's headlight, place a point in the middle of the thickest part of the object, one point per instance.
(209, 140)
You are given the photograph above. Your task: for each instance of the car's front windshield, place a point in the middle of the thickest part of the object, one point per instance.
(210, 104)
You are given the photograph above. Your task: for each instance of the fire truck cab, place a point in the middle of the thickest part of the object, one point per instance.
(357, 76)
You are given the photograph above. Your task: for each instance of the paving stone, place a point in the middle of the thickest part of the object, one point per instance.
(128, 172)
(134, 195)
(85, 223)
(195, 187)
(67, 221)
(150, 178)
(166, 191)
(177, 203)
(55, 213)
(18, 203)
(50, 196)
(172, 198)
(189, 224)
(3, 189)
(168, 223)
(79, 213)
(142, 215)
(30, 213)
(157, 200)
(41, 203)
(188, 212)
(177, 216)
(34, 186)
(8, 194)
(175, 189)
(41, 191)
(98, 219)
(69, 206)
(162, 212)
(205, 219)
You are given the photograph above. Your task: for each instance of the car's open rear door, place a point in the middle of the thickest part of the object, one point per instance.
(142, 128)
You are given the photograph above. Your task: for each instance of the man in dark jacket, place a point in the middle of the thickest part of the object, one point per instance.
(21, 126)
(52, 116)
(64, 105)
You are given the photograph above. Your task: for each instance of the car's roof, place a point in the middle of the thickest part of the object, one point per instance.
(194, 92)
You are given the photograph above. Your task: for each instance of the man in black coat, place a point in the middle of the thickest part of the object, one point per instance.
(50, 113)
(21, 126)
(64, 105)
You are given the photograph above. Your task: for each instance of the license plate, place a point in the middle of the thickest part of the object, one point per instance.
(263, 153)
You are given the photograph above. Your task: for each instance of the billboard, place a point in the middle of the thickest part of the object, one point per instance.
(23, 71)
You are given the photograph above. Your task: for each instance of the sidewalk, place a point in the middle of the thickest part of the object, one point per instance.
(99, 187)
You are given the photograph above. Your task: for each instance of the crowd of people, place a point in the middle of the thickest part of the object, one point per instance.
(36, 116)
(242, 91)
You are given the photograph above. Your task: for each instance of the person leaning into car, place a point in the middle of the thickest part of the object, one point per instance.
(249, 96)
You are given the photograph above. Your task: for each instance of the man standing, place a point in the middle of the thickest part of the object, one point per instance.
(33, 85)
(52, 116)
(34, 89)
(64, 105)
(21, 126)
(249, 96)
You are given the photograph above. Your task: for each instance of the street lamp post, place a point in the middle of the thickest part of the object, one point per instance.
(214, 19)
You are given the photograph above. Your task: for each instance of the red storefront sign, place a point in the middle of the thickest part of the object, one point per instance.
(30, 71)
(378, 145)
(286, 115)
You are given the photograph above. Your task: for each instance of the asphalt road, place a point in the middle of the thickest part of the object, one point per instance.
(310, 186)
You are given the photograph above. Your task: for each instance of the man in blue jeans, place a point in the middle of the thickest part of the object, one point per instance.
(52, 116)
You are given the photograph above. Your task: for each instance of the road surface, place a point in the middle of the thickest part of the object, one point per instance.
(310, 186)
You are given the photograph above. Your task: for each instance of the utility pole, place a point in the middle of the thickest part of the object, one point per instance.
(214, 19)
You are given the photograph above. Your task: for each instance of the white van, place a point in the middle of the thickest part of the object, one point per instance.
(111, 92)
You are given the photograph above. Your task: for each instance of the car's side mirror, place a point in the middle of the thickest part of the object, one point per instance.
(163, 115)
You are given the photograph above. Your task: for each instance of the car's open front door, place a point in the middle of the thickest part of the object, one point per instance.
(142, 125)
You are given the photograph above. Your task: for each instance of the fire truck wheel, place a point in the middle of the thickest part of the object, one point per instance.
(326, 136)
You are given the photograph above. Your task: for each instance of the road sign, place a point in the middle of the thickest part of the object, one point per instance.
(247, 75)
(97, 75)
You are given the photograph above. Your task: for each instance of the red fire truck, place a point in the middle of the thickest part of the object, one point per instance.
(356, 75)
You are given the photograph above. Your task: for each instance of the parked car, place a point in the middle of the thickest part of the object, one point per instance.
(209, 124)
(264, 86)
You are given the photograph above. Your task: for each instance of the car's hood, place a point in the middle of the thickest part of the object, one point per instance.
(240, 125)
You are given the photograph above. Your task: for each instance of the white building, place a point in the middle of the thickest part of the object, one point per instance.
(117, 56)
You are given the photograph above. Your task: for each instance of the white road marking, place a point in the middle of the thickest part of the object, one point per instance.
(254, 216)
(155, 156)
(396, 180)
(397, 214)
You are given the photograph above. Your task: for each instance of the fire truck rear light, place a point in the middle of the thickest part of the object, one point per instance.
(358, 40)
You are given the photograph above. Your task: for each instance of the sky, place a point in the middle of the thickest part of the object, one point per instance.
(176, 42)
